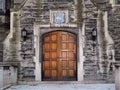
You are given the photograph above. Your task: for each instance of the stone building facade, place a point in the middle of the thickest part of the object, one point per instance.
(53, 40)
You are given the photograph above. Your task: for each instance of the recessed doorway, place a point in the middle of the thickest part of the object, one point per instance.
(59, 56)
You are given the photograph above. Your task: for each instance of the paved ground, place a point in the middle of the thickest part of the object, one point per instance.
(64, 87)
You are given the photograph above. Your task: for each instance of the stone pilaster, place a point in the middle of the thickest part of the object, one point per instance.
(117, 75)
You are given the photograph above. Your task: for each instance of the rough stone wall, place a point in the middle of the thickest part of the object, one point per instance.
(92, 63)
(114, 29)
(31, 12)
(27, 20)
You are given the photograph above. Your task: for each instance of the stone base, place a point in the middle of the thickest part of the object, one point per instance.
(117, 75)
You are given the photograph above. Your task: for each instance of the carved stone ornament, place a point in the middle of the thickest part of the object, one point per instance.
(59, 17)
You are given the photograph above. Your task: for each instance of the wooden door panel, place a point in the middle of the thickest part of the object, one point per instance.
(64, 37)
(71, 46)
(71, 38)
(71, 63)
(47, 39)
(64, 73)
(59, 56)
(54, 37)
(71, 54)
(64, 54)
(54, 46)
(46, 46)
(46, 55)
(64, 45)
(64, 64)
(46, 64)
(54, 55)
(71, 72)
(54, 64)
(47, 73)
(54, 73)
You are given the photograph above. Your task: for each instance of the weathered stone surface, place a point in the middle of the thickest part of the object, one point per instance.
(114, 28)
(92, 63)
(30, 13)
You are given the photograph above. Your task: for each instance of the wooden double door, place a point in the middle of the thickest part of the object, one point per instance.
(59, 61)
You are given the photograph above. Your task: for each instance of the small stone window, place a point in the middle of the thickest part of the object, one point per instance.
(1, 4)
(118, 1)
(115, 3)
(6, 67)
(5, 6)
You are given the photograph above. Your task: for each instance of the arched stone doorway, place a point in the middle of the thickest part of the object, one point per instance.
(59, 56)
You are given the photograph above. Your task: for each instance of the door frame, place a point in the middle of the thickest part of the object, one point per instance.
(39, 30)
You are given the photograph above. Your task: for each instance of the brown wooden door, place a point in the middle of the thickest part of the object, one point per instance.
(59, 56)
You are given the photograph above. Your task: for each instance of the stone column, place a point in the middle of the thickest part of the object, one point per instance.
(101, 42)
(117, 75)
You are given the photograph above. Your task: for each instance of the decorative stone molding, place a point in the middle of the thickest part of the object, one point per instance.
(63, 17)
